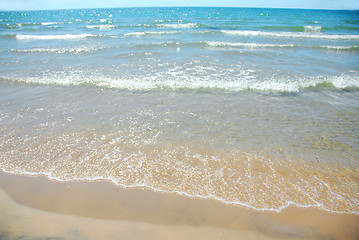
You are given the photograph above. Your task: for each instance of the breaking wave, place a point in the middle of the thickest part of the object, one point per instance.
(290, 34)
(265, 45)
(212, 79)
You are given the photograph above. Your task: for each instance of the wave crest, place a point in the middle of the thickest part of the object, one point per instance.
(215, 44)
(101, 27)
(180, 25)
(148, 33)
(203, 78)
(312, 28)
(290, 35)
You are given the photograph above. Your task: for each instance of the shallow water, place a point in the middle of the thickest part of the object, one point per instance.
(256, 107)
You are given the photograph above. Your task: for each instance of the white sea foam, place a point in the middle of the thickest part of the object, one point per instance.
(101, 27)
(54, 37)
(332, 47)
(56, 50)
(312, 28)
(290, 35)
(215, 44)
(138, 34)
(200, 77)
(180, 25)
(48, 23)
(351, 79)
(248, 45)
(115, 181)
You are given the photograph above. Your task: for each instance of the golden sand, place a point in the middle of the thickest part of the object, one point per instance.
(35, 207)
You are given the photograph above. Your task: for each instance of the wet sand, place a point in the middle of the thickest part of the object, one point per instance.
(38, 208)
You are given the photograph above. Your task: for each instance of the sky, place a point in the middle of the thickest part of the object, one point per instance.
(70, 4)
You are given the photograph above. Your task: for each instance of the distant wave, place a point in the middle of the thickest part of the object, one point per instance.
(101, 27)
(54, 37)
(231, 45)
(56, 50)
(290, 34)
(49, 23)
(18, 25)
(293, 28)
(312, 28)
(180, 25)
(248, 45)
(31, 24)
(354, 47)
(210, 44)
(265, 45)
(137, 34)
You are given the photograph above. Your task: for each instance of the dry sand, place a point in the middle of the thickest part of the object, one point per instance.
(38, 208)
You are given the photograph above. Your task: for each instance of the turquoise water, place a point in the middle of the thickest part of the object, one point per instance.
(255, 107)
(217, 48)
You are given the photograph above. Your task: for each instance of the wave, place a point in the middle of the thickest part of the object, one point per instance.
(284, 28)
(354, 47)
(265, 45)
(54, 37)
(201, 78)
(180, 25)
(211, 44)
(138, 34)
(233, 45)
(56, 50)
(29, 24)
(101, 27)
(254, 180)
(293, 28)
(312, 28)
(19, 25)
(49, 23)
(164, 44)
(248, 45)
(351, 209)
(290, 34)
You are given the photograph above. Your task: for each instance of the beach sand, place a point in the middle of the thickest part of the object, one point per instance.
(38, 208)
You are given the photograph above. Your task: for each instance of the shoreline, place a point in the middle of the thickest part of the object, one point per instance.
(101, 203)
(180, 194)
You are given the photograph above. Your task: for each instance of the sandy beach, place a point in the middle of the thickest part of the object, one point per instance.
(38, 208)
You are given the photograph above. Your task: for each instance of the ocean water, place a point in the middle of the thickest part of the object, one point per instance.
(252, 107)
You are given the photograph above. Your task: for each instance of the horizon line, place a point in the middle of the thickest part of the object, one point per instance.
(79, 8)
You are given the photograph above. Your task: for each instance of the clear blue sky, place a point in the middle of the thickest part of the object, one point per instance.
(65, 4)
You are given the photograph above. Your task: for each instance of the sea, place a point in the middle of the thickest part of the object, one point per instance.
(247, 106)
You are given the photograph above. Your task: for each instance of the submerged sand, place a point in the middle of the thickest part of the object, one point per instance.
(38, 208)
